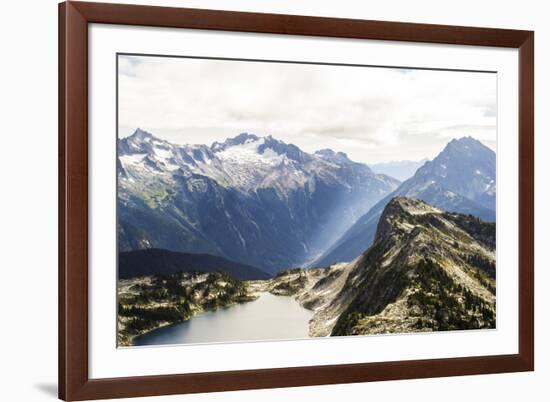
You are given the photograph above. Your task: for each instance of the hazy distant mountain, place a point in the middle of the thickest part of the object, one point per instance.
(154, 261)
(460, 179)
(254, 200)
(401, 170)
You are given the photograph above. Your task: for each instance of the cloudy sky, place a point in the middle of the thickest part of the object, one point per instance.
(372, 114)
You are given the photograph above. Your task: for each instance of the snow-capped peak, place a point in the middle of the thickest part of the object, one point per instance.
(463, 144)
(241, 139)
(245, 162)
(248, 149)
(144, 151)
(141, 135)
(267, 148)
(330, 155)
(142, 141)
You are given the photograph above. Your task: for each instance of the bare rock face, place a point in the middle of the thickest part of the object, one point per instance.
(427, 270)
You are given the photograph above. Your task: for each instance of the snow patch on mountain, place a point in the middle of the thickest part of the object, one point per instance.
(252, 199)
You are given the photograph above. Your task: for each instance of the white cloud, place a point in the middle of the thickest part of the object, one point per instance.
(373, 114)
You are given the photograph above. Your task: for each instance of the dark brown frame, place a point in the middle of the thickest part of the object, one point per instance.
(74, 17)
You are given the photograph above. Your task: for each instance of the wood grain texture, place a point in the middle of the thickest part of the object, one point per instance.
(74, 382)
(298, 25)
(73, 201)
(526, 150)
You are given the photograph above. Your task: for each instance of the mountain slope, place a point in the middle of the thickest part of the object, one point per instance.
(427, 270)
(255, 200)
(460, 179)
(138, 263)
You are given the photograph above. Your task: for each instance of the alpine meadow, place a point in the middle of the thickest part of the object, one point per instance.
(269, 200)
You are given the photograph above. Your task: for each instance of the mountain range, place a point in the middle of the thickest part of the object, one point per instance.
(462, 178)
(253, 200)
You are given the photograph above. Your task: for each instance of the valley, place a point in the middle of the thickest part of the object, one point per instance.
(427, 270)
(252, 200)
(260, 202)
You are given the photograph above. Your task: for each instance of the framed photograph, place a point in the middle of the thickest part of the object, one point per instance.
(260, 200)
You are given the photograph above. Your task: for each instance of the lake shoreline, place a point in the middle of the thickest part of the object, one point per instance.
(208, 293)
(268, 317)
(196, 313)
(148, 303)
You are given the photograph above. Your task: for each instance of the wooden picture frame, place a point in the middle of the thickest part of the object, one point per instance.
(74, 381)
